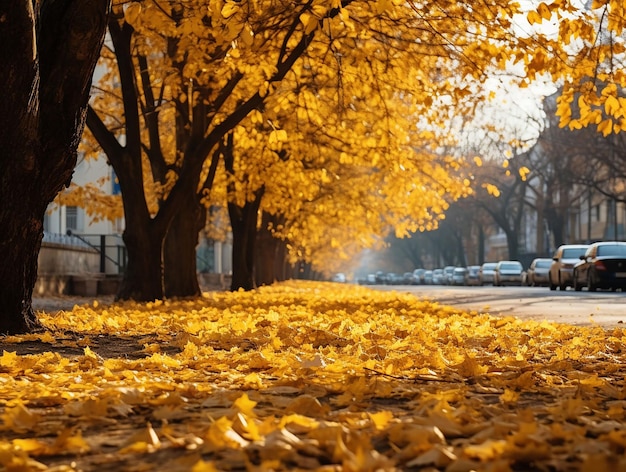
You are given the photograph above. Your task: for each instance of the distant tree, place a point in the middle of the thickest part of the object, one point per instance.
(48, 52)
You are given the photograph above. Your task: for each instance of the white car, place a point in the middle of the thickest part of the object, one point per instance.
(485, 274)
(508, 273)
(458, 276)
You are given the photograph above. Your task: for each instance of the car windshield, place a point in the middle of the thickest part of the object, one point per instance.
(612, 250)
(543, 264)
(573, 253)
(489, 266)
(510, 266)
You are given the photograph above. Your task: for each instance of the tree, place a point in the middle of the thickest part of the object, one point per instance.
(560, 158)
(48, 53)
(215, 66)
(587, 54)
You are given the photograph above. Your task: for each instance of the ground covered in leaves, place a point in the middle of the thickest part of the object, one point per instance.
(310, 376)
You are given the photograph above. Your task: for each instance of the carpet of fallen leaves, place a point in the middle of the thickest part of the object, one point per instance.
(310, 376)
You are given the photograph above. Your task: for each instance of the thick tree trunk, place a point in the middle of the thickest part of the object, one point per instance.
(243, 221)
(270, 253)
(48, 57)
(180, 272)
(21, 220)
(266, 250)
(143, 278)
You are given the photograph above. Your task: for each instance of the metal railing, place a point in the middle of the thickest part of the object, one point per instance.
(101, 247)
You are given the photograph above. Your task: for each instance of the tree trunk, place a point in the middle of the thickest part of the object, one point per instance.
(512, 241)
(268, 262)
(48, 55)
(243, 221)
(143, 278)
(285, 269)
(21, 218)
(180, 273)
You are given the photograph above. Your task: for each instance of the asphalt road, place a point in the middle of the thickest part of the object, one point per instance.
(607, 309)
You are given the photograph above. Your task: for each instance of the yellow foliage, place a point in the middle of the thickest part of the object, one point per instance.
(97, 203)
(350, 377)
(593, 79)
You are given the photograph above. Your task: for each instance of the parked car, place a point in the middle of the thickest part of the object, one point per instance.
(471, 276)
(394, 279)
(485, 274)
(408, 278)
(562, 266)
(428, 277)
(438, 277)
(602, 266)
(538, 272)
(370, 279)
(339, 277)
(447, 275)
(458, 276)
(418, 276)
(508, 273)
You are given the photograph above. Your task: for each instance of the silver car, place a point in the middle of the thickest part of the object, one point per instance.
(508, 273)
(539, 272)
(485, 274)
(562, 267)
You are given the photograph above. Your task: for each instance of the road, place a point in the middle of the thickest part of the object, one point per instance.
(607, 309)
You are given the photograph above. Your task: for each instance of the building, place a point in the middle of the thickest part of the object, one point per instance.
(82, 256)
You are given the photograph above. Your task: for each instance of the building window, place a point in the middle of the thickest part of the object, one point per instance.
(71, 218)
(596, 210)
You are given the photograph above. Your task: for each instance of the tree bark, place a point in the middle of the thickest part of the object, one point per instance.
(180, 272)
(48, 58)
(270, 253)
(265, 257)
(143, 278)
(243, 221)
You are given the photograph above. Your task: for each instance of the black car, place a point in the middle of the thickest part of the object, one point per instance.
(602, 266)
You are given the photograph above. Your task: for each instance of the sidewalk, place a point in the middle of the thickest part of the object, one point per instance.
(66, 302)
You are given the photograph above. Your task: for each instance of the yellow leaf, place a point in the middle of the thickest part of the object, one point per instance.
(309, 22)
(523, 172)
(544, 11)
(132, 12)
(307, 405)
(606, 127)
(8, 359)
(381, 419)
(612, 105)
(230, 8)
(31, 446)
(470, 367)
(491, 189)
(245, 405)
(509, 396)
(221, 434)
(533, 17)
(299, 420)
(486, 451)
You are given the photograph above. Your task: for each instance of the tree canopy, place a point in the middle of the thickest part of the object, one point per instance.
(352, 93)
